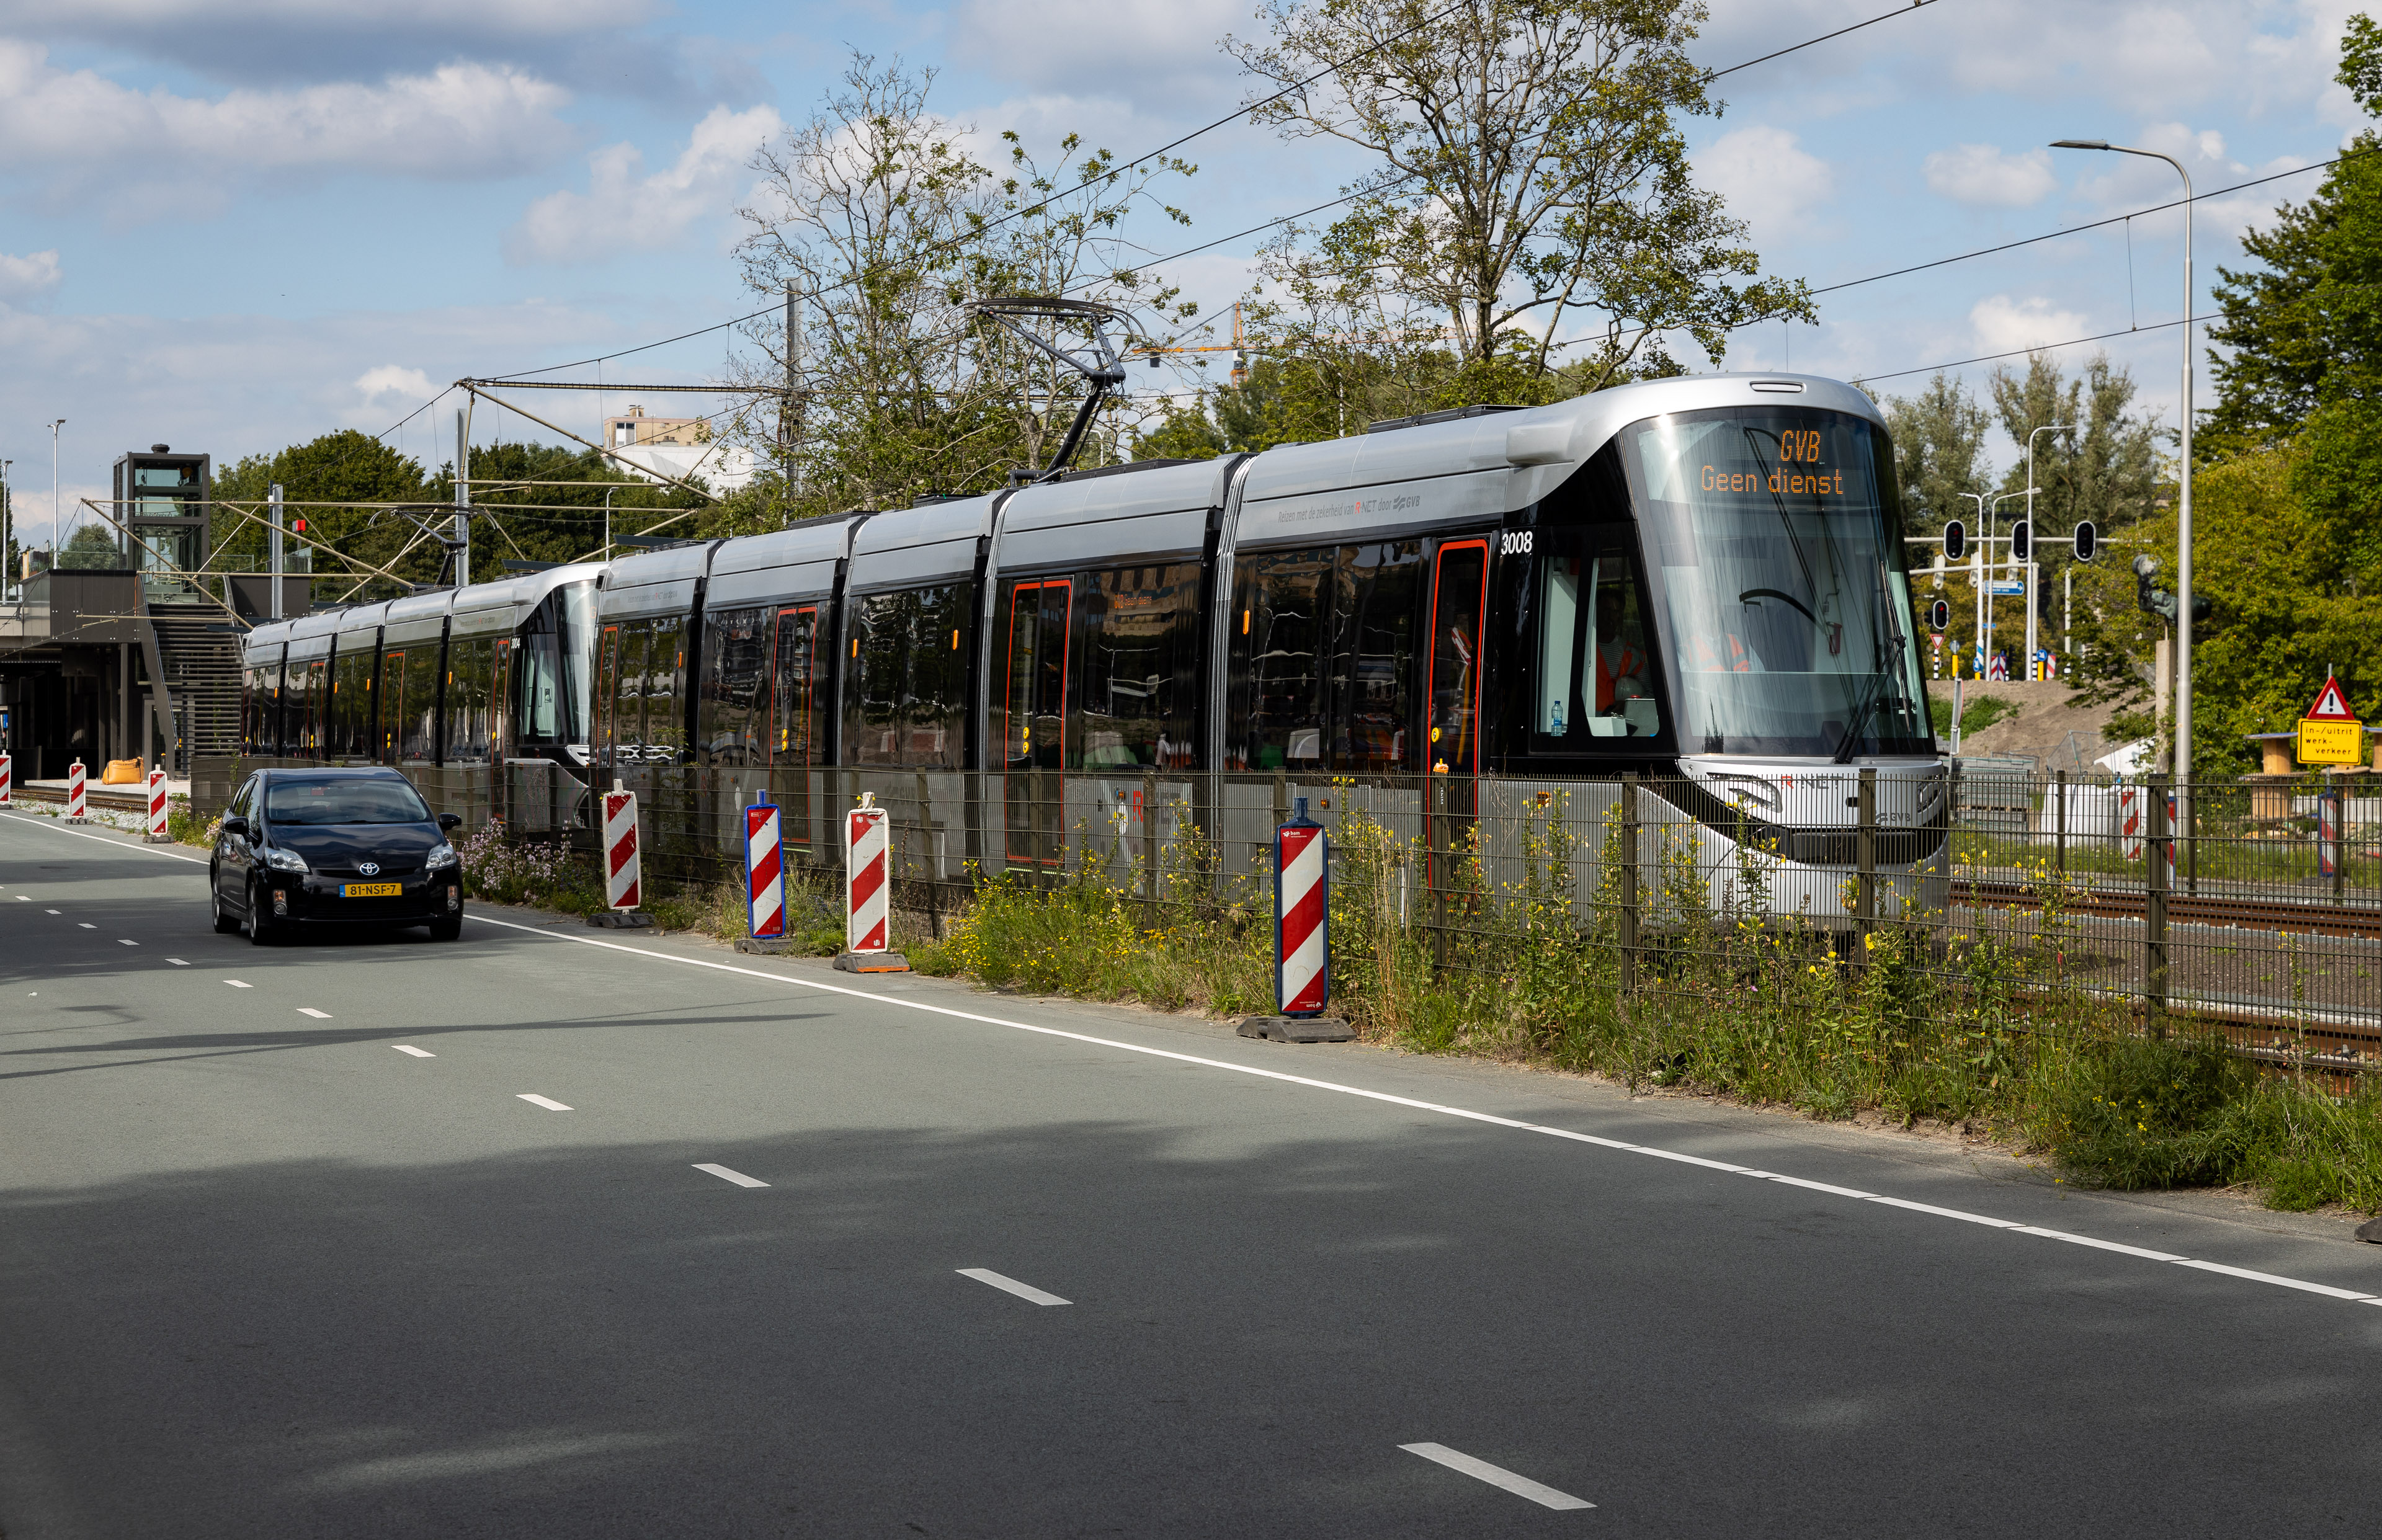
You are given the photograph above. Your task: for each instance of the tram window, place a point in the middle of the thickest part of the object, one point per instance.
(308, 738)
(1459, 594)
(665, 700)
(350, 720)
(909, 674)
(1140, 630)
(1595, 676)
(798, 716)
(1373, 661)
(1780, 567)
(1033, 731)
(541, 687)
(471, 667)
(604, 737)
(1278, 690)
(417, 706)
(578, 624)
(392, 716)
(735, 673)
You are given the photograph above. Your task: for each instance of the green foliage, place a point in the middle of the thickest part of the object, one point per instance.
(92, 547)
(2142, 1113)
(1939, 436)
(2305, 328)
(1977, 712)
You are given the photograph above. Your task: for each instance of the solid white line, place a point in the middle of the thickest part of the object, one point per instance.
(1026, 1291)
(1497, 1475)
(546, 1102)
(1337, 1089)
(119, 844)
(317, 1015)
(724, 1174)
(237, 984)
(409, 1048)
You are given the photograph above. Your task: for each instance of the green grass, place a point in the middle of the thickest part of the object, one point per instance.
(1977, 714)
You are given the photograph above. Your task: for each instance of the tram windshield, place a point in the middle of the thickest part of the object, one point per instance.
(1781, 589)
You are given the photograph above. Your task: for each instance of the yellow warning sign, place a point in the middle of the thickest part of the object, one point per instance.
(2331, 742)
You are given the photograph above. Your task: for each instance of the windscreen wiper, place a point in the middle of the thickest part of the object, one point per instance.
(1876, 679)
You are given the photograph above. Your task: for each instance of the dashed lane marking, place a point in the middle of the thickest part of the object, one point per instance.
(83, 923)
(1465, 1113)
(237, 984)
(724, 1174)
(409, 1048)
(1497, 1475)
(122, 941)
(317, 1015)
(178, 962)
(1026, 1291)
(546, 1102)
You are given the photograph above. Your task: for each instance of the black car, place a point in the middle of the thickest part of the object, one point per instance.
(335, 846)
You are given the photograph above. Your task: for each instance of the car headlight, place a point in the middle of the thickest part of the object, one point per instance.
(284, 860)
(441, 857)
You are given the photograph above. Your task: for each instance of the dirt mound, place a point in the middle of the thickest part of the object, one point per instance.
(2047, 728)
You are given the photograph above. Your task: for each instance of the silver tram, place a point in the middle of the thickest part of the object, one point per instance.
(1696, 580)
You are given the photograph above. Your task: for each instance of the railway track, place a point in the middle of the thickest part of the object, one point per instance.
(2306, 916)
(113, 798)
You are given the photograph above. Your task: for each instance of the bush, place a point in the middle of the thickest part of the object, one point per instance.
(2133, 1113)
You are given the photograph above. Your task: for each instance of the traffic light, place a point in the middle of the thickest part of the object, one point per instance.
(2021, 540)
(1939, 616)
(1956, 541)
(2088, 540)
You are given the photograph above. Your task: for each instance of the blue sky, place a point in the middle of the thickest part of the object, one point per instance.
(233, 225)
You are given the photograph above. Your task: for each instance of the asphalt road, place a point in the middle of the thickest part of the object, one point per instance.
(266, 1272)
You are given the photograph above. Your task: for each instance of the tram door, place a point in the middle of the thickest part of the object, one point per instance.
(1459, 597)
(1034, 740)
(608, 682)
(392, 705)
(793, 717)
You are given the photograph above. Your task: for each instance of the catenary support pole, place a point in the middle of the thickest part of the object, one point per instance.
(462, 500)
(272, 547)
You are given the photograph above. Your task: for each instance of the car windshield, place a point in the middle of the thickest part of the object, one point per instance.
(345, 800)
(1777, 554)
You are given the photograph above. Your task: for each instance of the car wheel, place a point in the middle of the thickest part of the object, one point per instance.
(225, 924)
(447, 930)
(260, 929)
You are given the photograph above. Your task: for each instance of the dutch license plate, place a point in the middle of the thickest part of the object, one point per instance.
(370, 889)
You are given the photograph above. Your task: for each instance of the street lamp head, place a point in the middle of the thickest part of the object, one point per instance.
(2080, 144)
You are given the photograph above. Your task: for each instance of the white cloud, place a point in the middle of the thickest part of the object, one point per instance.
(1769, 181)
(390, 378)
(459, 121)
(21, 277)
(622, 210)
(2005, 326)
(1143, 50)
(1982, 173)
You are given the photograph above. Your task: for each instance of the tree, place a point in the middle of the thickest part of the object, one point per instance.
(1532, 178)
(2306, 329)
(1939, 437)
(92, 546)
(885, 228)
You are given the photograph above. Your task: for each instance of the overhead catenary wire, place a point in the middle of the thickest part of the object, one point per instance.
(2038, 347)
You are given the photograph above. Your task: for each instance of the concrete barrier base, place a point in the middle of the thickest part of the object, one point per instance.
(621, 920)
(872, 962)
(1295, 1029)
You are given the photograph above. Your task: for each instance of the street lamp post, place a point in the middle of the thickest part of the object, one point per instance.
(2183, 495)
(7, 523)
(57, 536)
(2034, 535)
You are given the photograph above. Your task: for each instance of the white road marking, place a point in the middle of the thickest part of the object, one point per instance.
(178, 962)
(409, 1048)
(546, 1102)
(24, 898)
(317, 1015)
(51, 911)
(1496, 1475)
(1388, 1098)
(84, 923)
(1026, 1291)
(724, 1174)
(120, 844)
(237, 984)
(122, 942)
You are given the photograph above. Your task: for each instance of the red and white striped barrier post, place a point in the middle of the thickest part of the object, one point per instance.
(868, 892)
(2327, 834)
(7, 780)
(765, 877)
(157, 806)
(75, 810)
(1302, 919)
(624, 871)
(2130, 822)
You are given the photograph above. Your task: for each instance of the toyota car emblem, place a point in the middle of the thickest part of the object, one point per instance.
(369, 868)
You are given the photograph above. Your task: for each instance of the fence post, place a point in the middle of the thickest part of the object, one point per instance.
(930, 856)
(1281, 813)
(2156, 850)
(1628, 927)
(1435, 868)
(2059, 845)
(1865, 863)
(1150, 849)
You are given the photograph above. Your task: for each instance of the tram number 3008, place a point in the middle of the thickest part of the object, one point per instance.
(1513, 543)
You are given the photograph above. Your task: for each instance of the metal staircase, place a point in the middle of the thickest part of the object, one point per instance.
(202, 658)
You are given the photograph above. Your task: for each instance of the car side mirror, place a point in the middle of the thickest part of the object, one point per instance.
(450, 821)
(234, 824)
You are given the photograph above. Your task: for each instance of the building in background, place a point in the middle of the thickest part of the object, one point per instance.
(659, 448)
